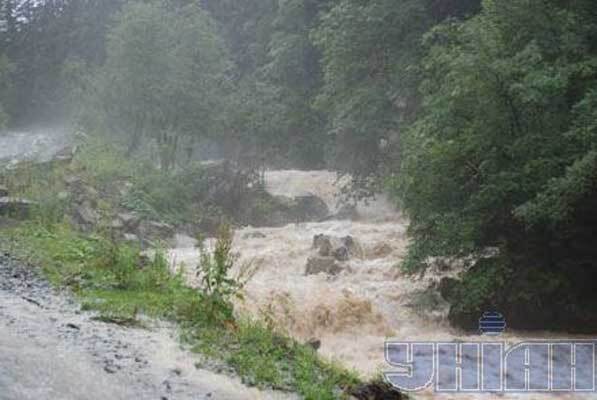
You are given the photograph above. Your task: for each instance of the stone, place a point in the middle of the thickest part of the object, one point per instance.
(341, 253)
(86, 215)
(72, 180)
(314, 343)
(342, 249)
(130, 220)
(310, 208)
(117, 224)
(153, 230)
(130, 237)
(326, 265)
(15, 206)
(324, 245)
(3, 191)
(254, 235)
(447, 287)
(353, 246)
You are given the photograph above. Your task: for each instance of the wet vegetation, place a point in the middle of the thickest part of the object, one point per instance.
(477, 117)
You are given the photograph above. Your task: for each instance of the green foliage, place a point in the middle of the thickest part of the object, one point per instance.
(163, 75)
(370, 55)
(502, 153)
(120, 283)
(264, 358)
(215, 270)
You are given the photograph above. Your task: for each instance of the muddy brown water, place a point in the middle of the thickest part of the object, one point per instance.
(355, 312)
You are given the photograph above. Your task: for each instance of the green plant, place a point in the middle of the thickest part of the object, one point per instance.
(215, 267)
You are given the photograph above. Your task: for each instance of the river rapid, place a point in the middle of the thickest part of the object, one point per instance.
(352, 313)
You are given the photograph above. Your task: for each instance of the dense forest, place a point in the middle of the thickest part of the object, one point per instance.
(479, 117)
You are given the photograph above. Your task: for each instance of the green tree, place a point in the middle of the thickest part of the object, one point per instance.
(164, 75)
(502, 155)
(371, 52)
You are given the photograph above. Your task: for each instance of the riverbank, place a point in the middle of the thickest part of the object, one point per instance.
(52, 350)
(247, 348)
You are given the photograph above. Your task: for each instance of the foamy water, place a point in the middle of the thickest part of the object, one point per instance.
(35, 144)
(352, 313)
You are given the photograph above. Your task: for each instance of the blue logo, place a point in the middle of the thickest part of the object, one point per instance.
(492, 324)
(493, 366)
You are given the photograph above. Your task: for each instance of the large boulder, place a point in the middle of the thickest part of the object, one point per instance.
(310, 208)
(326, 265)
(154, 231)
(340, 248)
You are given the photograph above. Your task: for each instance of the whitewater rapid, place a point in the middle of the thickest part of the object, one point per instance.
(356, 311)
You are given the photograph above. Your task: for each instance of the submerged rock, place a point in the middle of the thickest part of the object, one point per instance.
(340, 248)
(326, 265)
(254, 235)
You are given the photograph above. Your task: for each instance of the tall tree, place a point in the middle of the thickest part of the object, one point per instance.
(503, 156)
(164, 74)
(371, 50)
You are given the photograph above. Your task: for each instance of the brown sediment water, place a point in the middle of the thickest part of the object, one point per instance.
(352, 313)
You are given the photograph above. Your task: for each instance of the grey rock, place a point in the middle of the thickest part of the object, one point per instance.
(314, 343)
(117, 224)
(341, 253)
(3, 191)
(155, 231)
(130, 237)
(86, 215)
(254, 235)
(310, 208)
(342, 249)
(326, 265)
(130, 220)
